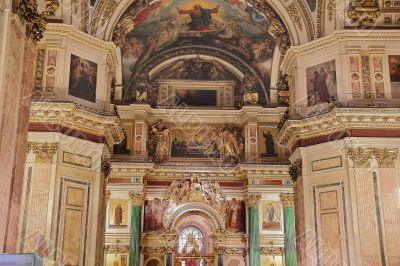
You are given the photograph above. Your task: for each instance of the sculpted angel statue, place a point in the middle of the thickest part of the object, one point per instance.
(159, 142)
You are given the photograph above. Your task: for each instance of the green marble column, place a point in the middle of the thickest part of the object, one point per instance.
(289, 229)
(254, 228)
(136, 217)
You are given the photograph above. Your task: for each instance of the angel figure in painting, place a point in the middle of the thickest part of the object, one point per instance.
(232, 143)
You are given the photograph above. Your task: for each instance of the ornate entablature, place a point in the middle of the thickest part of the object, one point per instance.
(46, 116)
(339, 120)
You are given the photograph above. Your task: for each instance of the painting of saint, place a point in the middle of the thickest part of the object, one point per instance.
(201, 17)
(153, 214)
(267, 144)
(394, 68)
(235, 215)
(82, 78)
(271, 215)
(118, 213)
(321, 83)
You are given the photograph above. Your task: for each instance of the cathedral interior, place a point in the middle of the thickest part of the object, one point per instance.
(199, 132)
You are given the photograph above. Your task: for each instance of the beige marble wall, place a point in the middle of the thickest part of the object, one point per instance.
(347, 208)
(16, 83)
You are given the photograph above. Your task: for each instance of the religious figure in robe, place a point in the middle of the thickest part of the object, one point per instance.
(269, 144)
(201, 17)
(118, 215)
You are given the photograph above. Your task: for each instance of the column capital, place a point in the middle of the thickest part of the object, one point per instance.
(44, 151)
(386, 157)
(287, 200)
(296, 169)
(137, 199)
(360, 157)
(252, 199)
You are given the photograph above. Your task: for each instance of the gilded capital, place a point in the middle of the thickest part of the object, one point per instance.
(295, 169)
(287, 200)
(253, 199)
(386, 157)
(361, 157)
(44, 151)
(136, 198)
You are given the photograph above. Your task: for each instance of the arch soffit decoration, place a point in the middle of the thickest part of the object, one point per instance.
(195, 207)
(107, 13)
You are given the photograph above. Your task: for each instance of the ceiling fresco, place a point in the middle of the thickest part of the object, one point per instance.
(231, 26)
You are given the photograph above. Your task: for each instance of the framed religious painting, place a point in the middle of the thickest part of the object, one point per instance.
(82, 78)
(321, 83)
(118, 213)
(271, 216)
(394, 68)
(268, 148)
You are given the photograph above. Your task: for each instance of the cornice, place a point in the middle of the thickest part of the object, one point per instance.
(337, 120)
(68, 115)
(335, 38)
(240, 172)
(235, 116)
(72, 33)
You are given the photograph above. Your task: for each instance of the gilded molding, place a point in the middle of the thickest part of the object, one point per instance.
(363, 12)
(386, 157)
(232, 251)
(361, 157)
(69, 115)
(116, 249)
(152, 250)
(337, 120)
(137, 199)
(287, 200)
(252, 199)
(295, 169)
(44, 151)
(272, 251)
(294, 13)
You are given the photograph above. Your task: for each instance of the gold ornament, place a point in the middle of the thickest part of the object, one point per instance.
(295, 169)
(386, 157)
(44, 151)
(252, 199)
(361, 157)
(287, 200)
(136, 198)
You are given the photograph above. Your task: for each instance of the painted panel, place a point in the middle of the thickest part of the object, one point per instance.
(118, 212)
(82, 78)
(271, 215)
(321, 83)
(394, 68)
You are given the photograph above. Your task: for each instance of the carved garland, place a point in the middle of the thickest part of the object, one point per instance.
(35, 22)
(295, 169)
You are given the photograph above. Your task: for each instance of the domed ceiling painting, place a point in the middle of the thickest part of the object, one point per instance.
(232, 27)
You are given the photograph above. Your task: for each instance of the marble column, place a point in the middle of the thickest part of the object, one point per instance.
(137, 201)
(252, 201)
(287, 200)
